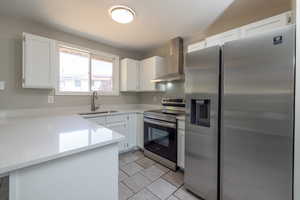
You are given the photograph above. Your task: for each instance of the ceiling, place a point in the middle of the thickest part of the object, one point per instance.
(157, 21)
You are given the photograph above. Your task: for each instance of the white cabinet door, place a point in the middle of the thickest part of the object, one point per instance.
(196, 46)
(140, 130)
(222, 38)
(267, 24)
(181, 149)
(146, 75)
(38, 62)
(130, 75)
(121, 128)
(132, 130)
(150, 69)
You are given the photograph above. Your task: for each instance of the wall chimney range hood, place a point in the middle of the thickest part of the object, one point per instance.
(174, 62)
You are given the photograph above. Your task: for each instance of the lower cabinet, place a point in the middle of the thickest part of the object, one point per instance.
(181, 144)
(129, 125)
(136, 130)
(140, 130)
(123, 129)
(132, 135)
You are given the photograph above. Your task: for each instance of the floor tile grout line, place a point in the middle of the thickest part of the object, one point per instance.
(140, 165)
(172, 183)
(154, 194)
(143, 187)
(128, 187)
(146, 187)
(133, 193)
(151, 182)
(177, 188)
(176, 191)
(168, 196)
(155, 179)
(125, 172)
(120, 168)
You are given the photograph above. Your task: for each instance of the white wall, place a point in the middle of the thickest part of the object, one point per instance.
(14, 96)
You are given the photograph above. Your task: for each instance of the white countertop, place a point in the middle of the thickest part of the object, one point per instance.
(26, 141)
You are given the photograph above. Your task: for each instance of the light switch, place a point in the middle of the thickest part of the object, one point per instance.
(2, 85)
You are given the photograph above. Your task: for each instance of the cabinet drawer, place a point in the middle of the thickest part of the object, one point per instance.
(181, 125)
(116, 119)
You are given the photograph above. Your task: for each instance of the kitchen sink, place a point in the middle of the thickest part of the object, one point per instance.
(99, 112)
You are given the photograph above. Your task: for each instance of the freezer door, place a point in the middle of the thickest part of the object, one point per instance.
(257, 127)
(202, 100)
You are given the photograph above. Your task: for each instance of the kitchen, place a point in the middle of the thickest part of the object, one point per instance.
(132, 139)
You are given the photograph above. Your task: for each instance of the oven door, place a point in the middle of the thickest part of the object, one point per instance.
(160, 137)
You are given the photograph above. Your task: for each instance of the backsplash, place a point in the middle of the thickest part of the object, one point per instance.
(173, 89)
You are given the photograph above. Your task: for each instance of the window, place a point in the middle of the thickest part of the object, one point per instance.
(73, 70)
(102, 74)
(83, 71)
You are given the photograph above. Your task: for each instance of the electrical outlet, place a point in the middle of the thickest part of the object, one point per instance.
(51, 99)
(2, 85)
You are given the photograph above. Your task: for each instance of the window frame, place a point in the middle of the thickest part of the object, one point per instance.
(91, 52)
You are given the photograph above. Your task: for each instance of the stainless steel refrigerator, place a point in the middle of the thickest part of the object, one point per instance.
(239, 123)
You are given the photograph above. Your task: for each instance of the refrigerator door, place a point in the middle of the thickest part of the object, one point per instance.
(202, 122)
(257, 127)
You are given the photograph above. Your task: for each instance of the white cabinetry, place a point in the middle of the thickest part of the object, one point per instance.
(150, 69)
(220, 39)
(137, 75)
(130, 75)
(244, 31)
(122, 128)
(196, 46)
(140, 130)
(181, 144)
(266, 24)
(118, 123)
(38, 62)
(131, 126)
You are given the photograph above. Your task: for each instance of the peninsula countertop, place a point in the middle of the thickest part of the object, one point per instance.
(27, 141)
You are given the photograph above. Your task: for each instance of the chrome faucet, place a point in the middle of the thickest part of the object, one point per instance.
(93, 98)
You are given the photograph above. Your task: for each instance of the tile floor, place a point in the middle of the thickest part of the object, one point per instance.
(143, 179)
(140, 179)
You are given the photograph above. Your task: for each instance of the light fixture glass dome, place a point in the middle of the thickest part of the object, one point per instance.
(122, 14)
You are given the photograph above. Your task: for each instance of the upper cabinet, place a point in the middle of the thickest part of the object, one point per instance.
(151, 68)
(38, 62)
(222, 38)
(138, 75)
(196, 46)
(244, 31)
(130, 72)
(266, 24)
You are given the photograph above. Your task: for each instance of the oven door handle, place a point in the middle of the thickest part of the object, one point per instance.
(163, 124)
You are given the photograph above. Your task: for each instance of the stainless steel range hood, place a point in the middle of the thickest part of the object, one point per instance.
(174, 62)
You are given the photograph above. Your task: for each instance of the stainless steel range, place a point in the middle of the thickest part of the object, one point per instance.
(160, 132)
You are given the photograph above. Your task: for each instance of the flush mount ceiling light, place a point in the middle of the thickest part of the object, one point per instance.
(122, 14)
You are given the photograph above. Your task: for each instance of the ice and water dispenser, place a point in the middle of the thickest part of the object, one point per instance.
(200, 112)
